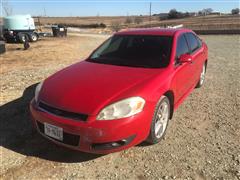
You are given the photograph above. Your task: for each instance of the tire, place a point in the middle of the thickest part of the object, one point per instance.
(157, 133)
(33, 37)
(2, 47)
(22, 37)
(202, 76)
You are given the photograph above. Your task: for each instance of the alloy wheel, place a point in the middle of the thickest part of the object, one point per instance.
(161, 119)
(202, 76)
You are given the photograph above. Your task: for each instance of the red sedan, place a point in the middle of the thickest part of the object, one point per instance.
(124, 93)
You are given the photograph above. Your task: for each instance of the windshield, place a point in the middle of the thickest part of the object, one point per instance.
(134, 51)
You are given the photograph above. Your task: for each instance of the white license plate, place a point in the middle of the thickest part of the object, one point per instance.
(61, 29)
(53, 131)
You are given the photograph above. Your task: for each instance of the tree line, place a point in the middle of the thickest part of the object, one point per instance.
(174, 14)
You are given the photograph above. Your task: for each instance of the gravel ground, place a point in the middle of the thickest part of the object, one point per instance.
(202, 142)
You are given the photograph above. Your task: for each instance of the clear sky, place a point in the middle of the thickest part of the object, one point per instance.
(114, 7)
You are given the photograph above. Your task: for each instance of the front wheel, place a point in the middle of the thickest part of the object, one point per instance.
(22, 37)
(160, 121)
(202, 76)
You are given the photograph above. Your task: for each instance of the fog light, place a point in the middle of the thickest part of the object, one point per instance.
(115, 144)
(112, 145)
(119, 143)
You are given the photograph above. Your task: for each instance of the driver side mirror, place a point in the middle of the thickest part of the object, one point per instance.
(185, 58)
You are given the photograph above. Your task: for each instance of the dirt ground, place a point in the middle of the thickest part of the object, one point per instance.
(202, 142)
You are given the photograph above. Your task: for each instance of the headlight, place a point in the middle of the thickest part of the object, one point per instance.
(37, 91)
(122, 109)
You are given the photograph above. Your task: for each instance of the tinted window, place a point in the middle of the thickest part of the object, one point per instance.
(135, 50)
(182, 47)
(192, 42)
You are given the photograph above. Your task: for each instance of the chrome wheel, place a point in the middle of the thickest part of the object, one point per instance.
(34, 37)
(161, 119)
(23, 38)
(202, 76)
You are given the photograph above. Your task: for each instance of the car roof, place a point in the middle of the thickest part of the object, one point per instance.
(153, 31)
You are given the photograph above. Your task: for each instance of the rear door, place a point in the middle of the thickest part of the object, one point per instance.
(196, 52)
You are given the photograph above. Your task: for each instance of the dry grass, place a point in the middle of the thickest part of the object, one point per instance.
(108, 20)
(46, 50)
(196, 23)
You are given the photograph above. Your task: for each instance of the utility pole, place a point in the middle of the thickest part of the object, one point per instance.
(150, 13)
(44, 11)
(98, 17)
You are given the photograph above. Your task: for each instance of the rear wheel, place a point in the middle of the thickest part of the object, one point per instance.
(160, 121)
(202, 76)
(33, 37)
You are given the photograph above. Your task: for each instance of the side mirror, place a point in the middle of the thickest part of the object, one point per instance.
(185, 58)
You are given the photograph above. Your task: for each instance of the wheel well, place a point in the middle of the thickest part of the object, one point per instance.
(206, 62)
(170, 96)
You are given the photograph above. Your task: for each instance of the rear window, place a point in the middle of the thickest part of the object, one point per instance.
(135, 51)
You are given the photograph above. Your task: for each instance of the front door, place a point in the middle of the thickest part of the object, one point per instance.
(183, 72)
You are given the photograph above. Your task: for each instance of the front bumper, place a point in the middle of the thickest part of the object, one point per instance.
(95, 136)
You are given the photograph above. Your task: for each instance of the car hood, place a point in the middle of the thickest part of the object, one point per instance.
(86, 87)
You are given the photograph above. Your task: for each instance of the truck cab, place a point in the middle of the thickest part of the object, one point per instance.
(17, 28)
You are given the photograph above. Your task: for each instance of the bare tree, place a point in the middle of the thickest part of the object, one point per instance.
(207, 11)
(138, 20)
(200, 13)
(128, 20)
(7, 7)
(115, 26)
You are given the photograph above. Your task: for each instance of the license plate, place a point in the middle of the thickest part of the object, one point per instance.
(53, 131)
(61, 29)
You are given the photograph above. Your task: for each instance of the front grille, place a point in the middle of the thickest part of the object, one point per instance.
(59, 112)
(69, 139)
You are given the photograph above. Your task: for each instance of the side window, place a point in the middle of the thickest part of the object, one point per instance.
(182, 47)
(192, 42)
